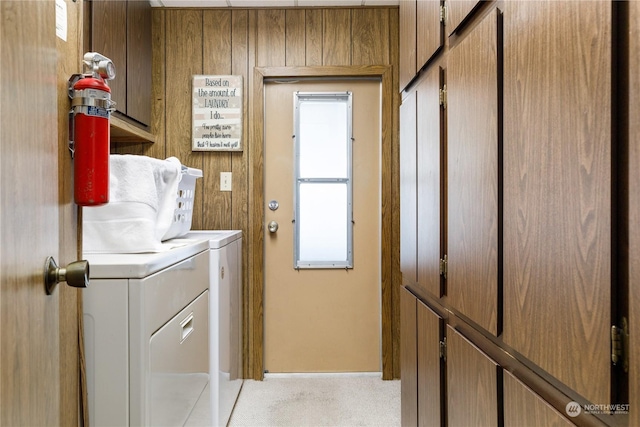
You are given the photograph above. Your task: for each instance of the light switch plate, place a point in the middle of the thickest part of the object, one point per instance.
(225, 181)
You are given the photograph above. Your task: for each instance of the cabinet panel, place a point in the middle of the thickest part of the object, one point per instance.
(429, 182)
(458, 11)
(634, 211)
(522, 407)
(428, 30)
(408, 359)
(408, 191)
(139, 61)
(407, 42)
(557, 189)
(428, 325)
(109, 37)
(472, 168)
(472, 393)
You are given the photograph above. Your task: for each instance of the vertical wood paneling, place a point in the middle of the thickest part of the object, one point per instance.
(428, 326)
(557, 189)
(471, 384)
(634, 212)
(472, 157)
(408, 359)
(407, 42)
(522, 407)
(336, 45)
(429, 182)
(259, 37)
(217, 48)
(369, 35)
(271, 42)
(183, 60)
(313, 29)
(408, 190)
(295, 37)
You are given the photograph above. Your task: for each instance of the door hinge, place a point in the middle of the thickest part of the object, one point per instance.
(443, 267)
(620, 345)
(443, 14)
(443, 349)
(443, 96)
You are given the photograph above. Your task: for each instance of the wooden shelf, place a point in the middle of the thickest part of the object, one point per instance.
(122, 131)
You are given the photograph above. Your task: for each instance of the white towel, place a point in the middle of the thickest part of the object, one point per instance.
(142, 198)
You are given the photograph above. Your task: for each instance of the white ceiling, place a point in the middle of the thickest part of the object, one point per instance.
(270, 3)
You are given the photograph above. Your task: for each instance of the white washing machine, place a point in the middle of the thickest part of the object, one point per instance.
(146, 323)
(225, 325)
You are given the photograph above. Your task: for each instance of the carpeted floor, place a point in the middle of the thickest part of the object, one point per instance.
(318, 401)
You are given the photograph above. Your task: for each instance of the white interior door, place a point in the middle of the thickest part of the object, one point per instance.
(322, 314)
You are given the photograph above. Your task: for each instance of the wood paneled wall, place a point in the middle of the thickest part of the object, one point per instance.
(224, 41)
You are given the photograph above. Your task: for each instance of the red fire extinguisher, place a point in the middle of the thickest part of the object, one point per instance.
(89, 134)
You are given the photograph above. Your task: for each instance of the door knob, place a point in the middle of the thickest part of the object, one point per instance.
(273, 226)
(76, 274)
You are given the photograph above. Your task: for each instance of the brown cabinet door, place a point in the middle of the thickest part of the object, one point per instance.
(557, 189)
(472, 173)
(522, 407)
(458, 11)
(472, 394)
(109, 37)
(139, 61)
(407, 42)
(408, 189)
(429, 182)
(429, 31)
(429, 394)
(408, 359)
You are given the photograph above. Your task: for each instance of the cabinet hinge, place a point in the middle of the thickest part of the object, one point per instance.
(443, 96)
(443, 349)
(443, 267)
(620, 345)
(443, 14)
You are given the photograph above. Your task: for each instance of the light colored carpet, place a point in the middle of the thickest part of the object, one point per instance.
(318, 401)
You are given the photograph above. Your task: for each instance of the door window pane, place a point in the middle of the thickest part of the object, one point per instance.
(323, 216)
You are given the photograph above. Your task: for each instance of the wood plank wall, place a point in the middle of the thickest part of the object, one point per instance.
(224, 41)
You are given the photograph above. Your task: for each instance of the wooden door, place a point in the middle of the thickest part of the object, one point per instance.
(408, 191)
(458, 11)
(472, 384)
(38, 382)
(429, 31)
(472, 173)
(408, 359)
(138, 65)
(407, 42)
(321, 318)
(429, 367)
(429, 183)
(557, 190)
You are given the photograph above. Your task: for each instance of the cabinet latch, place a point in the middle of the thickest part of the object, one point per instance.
(620, 345)
(443, 267)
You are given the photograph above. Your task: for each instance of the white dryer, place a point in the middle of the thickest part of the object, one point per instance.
(225, 323)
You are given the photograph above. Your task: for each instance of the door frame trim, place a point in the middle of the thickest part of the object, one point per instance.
(254, 302)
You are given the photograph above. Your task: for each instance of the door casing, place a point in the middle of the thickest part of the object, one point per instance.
(254, 301)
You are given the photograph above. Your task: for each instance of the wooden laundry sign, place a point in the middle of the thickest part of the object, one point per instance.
(217, 113)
